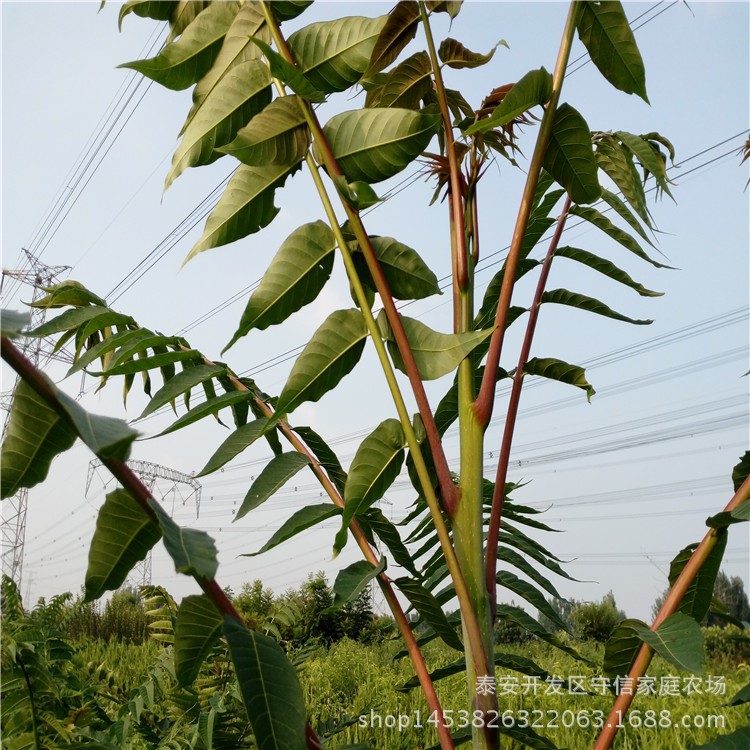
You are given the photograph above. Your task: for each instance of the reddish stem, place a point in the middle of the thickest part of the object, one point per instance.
(498, 496)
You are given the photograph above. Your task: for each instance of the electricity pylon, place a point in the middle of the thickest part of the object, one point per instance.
(13, 527)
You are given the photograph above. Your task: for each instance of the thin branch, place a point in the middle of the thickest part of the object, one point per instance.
(498, 496)
(485, 401)
(676, 593)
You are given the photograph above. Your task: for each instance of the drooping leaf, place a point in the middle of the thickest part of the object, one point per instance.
(359, 195)
(532, 89)
(625, 213)
(146, 364)
(75, 318)
(303, 519)
(287, 10)
(741, 471)
(212, 406)
(67, 293)
(582, 302)
(270, 688)
(455, 55)
(617, 164)
(488, 309)
(530, 594)
(333, 55)
(741, 697)
(569, 157)
(740, 514)
(159, 10)
(606, 33)
(696, 600)
(275, 475)
(621, 648)
(185, 61)
(196, 630)
(297, 274)
(331, 353)
(243, 92)
(245, 207)
(408, 276)
(241, 438)
(604, 266)
(282, 69)
(375, 466)
(451, 7)
(14, 323)
(405, 86)
(124, 536)
(399, 29)
(424, 602)
(647, 156)
(679, 640)
(378, 143)
(511, 557)
(193, 552)
(181, 383)
(185, 12)
(436, 354)
(277, 135)
(737, 740)
(602, 222)
(353, 580)
(388, 534)
(327, 458)
(556, 369)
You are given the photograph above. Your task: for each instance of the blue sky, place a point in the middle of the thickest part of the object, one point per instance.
(629, 479)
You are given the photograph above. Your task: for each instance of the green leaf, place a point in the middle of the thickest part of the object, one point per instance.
(405, 86)
(679, 640)
(277, 135)
(144, 364)
(569, 157)
(375, 466)
(124, 535)
(243, 92)
(436, 354)
(455, 55)
(196, 630)
(297, 274)
(530, 625)
(240, 439)
(650, 160)
(275, 475)
(359, 195)
(426, 604)
(530, 594)
(617, 163)
(604, 29)
(74, 319)
(192, 551)
(696, 600)
(327, 458)
(399, 29)
(182, 382)
(245, 207)
(505, 661)
(582, 302)
(451, 7)
(739, 515)
(374, 144)
(532, 89)
(185, 61)
(333, 55)
(621, 648)
(602, 222)
(353, 580)
(740, 697)
(303, 519)
(331, 353)
(104, 347)
(388, 534)
(624, 212)
(408, 276)
(286, 10)
(556, 369)
(159, 10)
(737, 740)
(14, 323)
(488, 310)
(270, 688)
(604, 266)
(511, 557)
(282, 69)
(212, 406)
(741, 471)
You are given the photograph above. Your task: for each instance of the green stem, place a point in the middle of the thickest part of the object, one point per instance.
(486, 399)
(498, 495)
(675, 596)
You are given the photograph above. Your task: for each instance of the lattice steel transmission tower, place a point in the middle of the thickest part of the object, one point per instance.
(149, 473)
(38, 275)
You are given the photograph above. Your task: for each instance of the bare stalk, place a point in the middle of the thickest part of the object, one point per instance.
(486, 399)
(501, 477)
(676, 593)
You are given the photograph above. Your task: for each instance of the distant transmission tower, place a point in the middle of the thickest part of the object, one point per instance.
(13, 528)
(149, 473)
